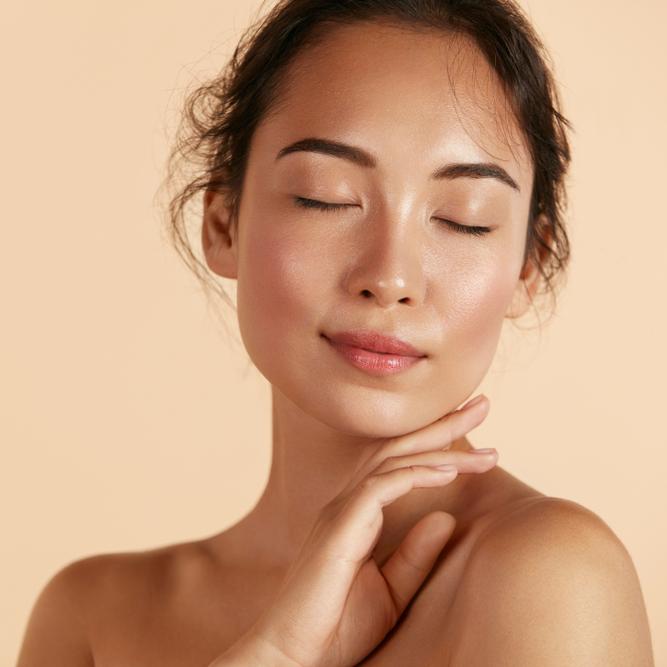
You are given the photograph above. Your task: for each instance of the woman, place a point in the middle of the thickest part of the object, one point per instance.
(385, 182)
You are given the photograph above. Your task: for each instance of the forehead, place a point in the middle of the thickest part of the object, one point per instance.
(407, 93)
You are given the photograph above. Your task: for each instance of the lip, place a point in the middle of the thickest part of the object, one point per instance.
(371, 361)
(374, 341)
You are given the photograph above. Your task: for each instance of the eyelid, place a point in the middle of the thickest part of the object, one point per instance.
(305, 202)
(475, 230)
(315, 203)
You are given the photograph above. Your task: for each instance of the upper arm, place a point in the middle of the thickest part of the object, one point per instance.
(550, 585)
(56, 633)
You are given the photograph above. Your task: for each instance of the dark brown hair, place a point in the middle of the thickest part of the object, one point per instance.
(221, 115)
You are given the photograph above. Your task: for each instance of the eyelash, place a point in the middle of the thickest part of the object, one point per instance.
(323, 206)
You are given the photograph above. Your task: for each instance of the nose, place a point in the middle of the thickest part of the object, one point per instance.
(389, 267)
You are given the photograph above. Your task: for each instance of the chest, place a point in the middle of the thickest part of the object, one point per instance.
(170, 626)
(196, 625)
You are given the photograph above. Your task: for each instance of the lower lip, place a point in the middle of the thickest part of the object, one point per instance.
(374, 363)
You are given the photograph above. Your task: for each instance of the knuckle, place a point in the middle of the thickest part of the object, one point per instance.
(368, 482)
(448, 433)
(410, 561)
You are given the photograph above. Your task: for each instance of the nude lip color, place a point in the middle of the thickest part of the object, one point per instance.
(375, 363)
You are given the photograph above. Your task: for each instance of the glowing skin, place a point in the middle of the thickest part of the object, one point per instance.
(303, 271)
(524, 579)
(386, 264)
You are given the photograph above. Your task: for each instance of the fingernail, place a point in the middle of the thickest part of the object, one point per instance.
(486, 450)
(474, 401)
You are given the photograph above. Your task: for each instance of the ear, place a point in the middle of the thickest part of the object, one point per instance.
(217, 234)
(529, 278)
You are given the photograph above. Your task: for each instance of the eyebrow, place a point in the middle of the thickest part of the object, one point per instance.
(364, 159)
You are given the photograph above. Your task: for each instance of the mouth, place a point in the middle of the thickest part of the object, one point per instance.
(373, 362)
(375, 341)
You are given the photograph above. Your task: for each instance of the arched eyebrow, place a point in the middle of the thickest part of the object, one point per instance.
(363, 158)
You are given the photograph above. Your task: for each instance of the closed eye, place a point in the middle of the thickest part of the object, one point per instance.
(465, 229)
(325, 206)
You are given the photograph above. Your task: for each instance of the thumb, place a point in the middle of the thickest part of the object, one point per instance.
(414, 557)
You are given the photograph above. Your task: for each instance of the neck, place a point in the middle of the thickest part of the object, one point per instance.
(311, 464)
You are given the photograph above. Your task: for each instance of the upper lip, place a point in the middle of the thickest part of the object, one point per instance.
(375, 342)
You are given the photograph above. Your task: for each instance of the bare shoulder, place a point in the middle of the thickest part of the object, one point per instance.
(104, 578)
(549, 583)
(535, 522)
(56, 632)
(102, 591)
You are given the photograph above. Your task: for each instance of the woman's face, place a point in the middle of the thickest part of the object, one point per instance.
(415, 102)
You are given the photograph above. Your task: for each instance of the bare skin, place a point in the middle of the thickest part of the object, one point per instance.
(181, 604)
(386, 263)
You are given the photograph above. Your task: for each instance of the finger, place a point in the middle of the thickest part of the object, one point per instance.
(414, 557)
(465, 461)
(441, 433)
(348, 534)
(343, 541)
(436, 436)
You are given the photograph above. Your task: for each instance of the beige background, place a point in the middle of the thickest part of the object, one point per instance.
(127, 421)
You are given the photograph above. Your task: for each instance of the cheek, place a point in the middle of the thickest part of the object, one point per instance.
(479, 304)
(473, 313)
(277, 293)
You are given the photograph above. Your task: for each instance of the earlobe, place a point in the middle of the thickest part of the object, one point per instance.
(528, 283)
(525, 291)
(218, 239)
